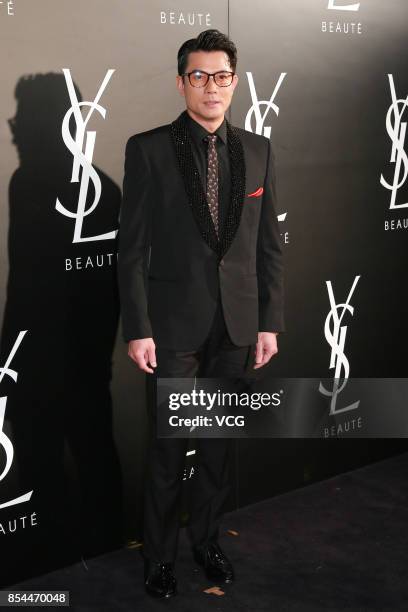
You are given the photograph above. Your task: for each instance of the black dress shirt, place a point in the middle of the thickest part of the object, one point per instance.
(200, 148)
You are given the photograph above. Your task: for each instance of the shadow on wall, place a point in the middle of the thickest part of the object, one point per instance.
(61, 398)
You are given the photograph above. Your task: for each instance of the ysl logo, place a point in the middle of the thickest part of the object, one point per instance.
(336, 338)
(5, 441)
(83, 154)
(396, 130)
(259, 117)
(345, 7)
(256, 107)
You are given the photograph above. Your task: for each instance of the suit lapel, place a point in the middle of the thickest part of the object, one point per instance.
(196, 196)
(238, 177)
(195, 193)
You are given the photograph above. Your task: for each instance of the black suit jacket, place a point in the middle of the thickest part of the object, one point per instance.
(171, 265)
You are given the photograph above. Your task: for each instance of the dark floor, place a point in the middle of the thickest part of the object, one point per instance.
(340, 544)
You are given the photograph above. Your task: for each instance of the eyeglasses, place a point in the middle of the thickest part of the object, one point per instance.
(199, 78)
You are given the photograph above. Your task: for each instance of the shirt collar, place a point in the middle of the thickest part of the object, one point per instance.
(198, 132)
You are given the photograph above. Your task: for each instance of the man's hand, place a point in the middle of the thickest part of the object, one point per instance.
(143, 351)
(266, 347)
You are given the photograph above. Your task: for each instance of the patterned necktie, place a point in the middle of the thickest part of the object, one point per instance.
(212, 178)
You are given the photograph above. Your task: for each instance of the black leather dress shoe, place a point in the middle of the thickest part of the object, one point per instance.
(216, 564)
(159, 579)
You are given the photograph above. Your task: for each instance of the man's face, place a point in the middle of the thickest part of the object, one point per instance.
(207, 103)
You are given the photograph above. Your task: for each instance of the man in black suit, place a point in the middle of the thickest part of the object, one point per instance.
(201, 284)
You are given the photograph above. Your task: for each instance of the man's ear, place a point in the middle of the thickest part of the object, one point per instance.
(180, 84)
(235, 80)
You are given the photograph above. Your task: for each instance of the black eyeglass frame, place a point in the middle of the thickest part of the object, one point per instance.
(208, 75)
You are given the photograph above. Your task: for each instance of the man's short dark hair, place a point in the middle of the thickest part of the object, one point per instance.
(209, 40)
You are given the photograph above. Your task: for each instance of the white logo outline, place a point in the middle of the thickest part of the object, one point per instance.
(83, 158)
(331, 5)
(5, 441)
(397, 135)
(255, 109)
(256, 105)
(337, 340)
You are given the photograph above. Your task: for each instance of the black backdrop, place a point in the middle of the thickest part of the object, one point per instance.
(314, 77)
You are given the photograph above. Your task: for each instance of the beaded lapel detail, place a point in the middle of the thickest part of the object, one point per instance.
(195, 192)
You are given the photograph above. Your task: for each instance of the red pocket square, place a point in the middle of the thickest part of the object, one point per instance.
(256, 194)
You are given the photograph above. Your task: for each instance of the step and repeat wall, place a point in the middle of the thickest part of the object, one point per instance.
(326, 81)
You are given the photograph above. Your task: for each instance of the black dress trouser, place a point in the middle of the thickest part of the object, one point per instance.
(217, 357)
